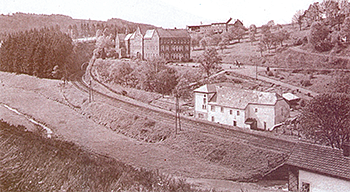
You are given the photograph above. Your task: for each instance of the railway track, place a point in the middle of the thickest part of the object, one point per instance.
(255, 138)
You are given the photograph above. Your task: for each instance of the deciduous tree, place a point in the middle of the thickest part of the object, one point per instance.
(326, 119)
(209, 60)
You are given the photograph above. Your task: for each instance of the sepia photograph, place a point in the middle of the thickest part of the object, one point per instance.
(175, 96)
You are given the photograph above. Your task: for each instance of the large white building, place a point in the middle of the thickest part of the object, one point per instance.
(240, 107)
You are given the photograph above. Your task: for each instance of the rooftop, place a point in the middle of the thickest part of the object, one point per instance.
(320, 159)
(238, 98)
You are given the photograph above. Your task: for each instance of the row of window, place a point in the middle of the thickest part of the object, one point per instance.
(174, 41)
(212, 108)
(174, 55)
(151, 47)
(174, 47)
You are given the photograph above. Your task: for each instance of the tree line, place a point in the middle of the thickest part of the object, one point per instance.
(329, 24)
(46, 53)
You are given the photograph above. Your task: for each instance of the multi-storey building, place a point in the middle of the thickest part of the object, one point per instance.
(170, 44)
(216, 27)
(240, 107)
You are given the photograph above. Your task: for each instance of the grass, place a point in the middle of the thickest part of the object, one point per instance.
(130, 124)
(29, 162)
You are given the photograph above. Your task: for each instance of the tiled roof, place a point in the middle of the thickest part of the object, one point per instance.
(320, 159)
(239, 98)
(208, 88)
(128, 36)
(149, 34)
(290, 96)
(173, 33)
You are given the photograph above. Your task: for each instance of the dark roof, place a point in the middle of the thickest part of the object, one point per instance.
(238, 98)
(320, 159)
(173, 33)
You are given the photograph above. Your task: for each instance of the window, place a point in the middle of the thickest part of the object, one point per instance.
(204, 95)
(305, 187)
(213, 108)
(234, 123)
(231, 112)
(256, 110)
(222, 109)
(237, 113)
(204, 107)
(200, 115)
(212, 118)
(264, 125)
(204, 100)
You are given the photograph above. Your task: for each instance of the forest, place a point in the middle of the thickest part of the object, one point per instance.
(45, 53)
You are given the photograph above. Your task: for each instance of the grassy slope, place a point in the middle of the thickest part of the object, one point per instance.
(29, 162)
(41, 99)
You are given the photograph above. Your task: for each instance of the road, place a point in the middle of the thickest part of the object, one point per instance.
(250, 71)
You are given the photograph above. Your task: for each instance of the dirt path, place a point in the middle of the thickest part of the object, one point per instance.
(250, 71)
(35, 99)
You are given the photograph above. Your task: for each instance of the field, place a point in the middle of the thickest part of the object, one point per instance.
(42, 99)
(30, 162)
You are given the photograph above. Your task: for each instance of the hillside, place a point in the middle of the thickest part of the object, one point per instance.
(25, 21)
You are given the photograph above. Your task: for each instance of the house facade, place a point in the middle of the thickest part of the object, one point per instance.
(240, 107)
(170, 44)
(316, 168)
(219, 27)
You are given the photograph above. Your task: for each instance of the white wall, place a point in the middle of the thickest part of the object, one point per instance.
(199, 103)
(322, 183)
(282, 111)
(224, 117)
(265, 113)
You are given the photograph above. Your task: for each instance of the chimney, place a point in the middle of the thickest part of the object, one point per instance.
(346, 149)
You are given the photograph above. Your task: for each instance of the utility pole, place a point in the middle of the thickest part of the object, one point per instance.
(256, 71)
(90, 92)
(176, 108)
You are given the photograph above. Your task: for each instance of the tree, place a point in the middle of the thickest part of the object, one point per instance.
(165, 81)
(281, 35)
(238, 33)
(209, 60)
(313, 13)
(345, 29)
(298, 18)
(252, 33)
(340, 84)
(318, 36)
(326, 119)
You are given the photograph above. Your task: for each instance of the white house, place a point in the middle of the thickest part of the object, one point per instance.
(316, 168)
(240, 107)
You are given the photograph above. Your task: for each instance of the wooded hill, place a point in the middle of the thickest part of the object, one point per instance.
(25, 21)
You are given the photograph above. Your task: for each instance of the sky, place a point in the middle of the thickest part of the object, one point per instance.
(165, 13)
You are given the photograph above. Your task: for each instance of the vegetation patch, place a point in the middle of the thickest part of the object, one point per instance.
(248, 162)
(127, 123)
(29, 162)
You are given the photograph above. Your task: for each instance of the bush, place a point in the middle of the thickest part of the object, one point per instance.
(269, 73)
(305, 83)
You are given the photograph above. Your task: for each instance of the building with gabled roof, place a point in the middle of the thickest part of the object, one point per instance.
(218, 27)
(311, 167)
(170, 44)
(240, 107)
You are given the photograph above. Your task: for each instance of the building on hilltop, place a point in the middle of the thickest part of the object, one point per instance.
(136, 43)
(239, 107)
(120, 45)
(219, 27)
(170, 44)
